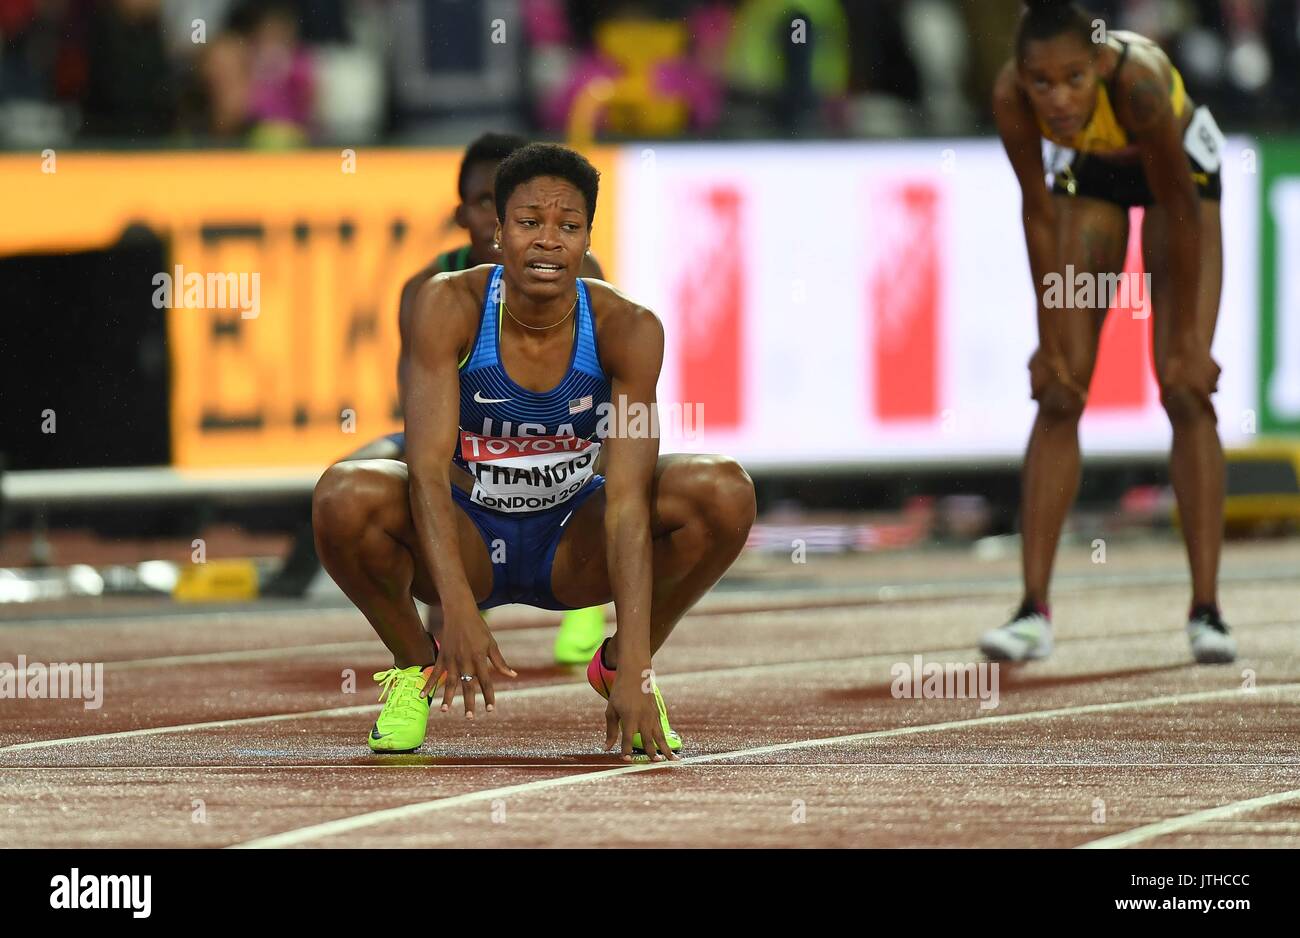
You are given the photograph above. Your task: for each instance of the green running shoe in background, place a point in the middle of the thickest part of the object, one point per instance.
(581, 632)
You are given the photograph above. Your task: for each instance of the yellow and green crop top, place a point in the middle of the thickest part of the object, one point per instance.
(1103, 133)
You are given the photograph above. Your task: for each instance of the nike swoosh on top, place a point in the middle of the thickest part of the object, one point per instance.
(489, 400)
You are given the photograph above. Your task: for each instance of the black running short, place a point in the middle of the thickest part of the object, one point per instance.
(1090, 175)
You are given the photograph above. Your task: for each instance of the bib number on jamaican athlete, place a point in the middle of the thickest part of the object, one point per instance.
(1204, 140)
(529, 473)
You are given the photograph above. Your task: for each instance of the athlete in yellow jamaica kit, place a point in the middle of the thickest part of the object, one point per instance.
(1125, 134)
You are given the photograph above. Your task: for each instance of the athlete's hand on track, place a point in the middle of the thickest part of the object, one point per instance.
(632, 704)
(1192, 368)
(468, 650)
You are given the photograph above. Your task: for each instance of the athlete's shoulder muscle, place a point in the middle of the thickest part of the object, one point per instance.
(406, 303)
(1142, 51)
(444, 312)
(1145, 110)
(1142, 90)
(629, 336)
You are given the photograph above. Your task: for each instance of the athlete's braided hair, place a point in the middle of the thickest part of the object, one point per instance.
(1046, 19)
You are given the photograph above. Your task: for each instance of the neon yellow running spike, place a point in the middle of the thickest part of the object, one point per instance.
(670, 734)
(401, 724)
(581, 632)
(601, 680)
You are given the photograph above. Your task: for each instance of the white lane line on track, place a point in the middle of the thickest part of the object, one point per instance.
(373, 645)
(504, 693)
(250, 721)
(405, 812)
(1170, 825)
(279, 651)
(173, 617)
(246, 654)
(530, 691)
(685, 763)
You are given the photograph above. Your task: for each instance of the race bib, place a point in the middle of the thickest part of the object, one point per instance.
(1204, 140)
(527, 473)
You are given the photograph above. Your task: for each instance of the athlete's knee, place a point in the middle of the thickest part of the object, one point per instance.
(345, 502)
(1058, 401)
(723, 492)
(1185, 404)
(1058, 398)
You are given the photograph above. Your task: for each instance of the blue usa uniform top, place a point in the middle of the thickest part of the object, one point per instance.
(529, 450)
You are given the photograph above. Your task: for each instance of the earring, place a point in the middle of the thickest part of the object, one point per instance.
(496, 245)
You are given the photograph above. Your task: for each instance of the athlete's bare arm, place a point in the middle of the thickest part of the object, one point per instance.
(443, 325)
(1023, 142)
(405, 312)
(632, 346)
(1145, 112)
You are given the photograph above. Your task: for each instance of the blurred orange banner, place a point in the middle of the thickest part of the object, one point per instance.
(300, 368)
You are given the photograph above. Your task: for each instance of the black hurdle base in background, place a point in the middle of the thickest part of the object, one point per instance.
(80, 337)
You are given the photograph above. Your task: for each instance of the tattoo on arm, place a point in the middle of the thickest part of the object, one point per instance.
(1148, 102)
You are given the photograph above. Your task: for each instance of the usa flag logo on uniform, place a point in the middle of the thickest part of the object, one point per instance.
(579, 405)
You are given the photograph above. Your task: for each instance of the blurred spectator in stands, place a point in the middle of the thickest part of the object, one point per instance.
(553, 52)
(1282, 32)
(276, 72)
(991, 28)
(635, 68)
(130, 87)
(940, 46)
(281, 77)
(349, 40)
(257, 78)
(43, 70)
(1238, 57)
(189, 24)
(220, 104)
(911, 67)
(883, 77)
(286, 72)
(455, 66)
(25, 61)
(792, 58)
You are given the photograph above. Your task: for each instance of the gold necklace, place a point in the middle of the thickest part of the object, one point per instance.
(540, 328)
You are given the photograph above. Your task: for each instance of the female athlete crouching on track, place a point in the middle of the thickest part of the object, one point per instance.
(512, 371)
(1126, 134)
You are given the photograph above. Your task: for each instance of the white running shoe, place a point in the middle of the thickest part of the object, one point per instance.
(1027, 637)
(1209, 637)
